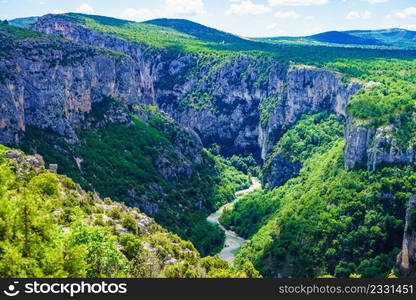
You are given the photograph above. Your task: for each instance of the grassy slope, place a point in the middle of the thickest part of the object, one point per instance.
(158, 36)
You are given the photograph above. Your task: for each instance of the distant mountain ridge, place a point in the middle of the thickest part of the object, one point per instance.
(394, 37)
(24, 22)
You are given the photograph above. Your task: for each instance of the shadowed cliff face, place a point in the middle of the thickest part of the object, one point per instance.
(219, 99)
(371, 148)
(407, 257)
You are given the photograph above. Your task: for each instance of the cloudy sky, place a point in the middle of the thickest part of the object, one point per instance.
(253, 18)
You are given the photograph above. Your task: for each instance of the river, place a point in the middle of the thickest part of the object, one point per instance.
(232, 242)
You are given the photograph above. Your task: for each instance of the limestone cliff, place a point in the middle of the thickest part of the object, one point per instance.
(407, 257)
(53, 83)
(220, 99)
(373, 148)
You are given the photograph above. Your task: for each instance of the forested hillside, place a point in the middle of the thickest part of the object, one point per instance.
(170, 118)
(50, 227)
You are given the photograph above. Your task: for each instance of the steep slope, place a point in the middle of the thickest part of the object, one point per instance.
(345, 212)
(154, 165)
(81, 98)
(327, 220)
(50, 227)
(247, 103)
(217, 95)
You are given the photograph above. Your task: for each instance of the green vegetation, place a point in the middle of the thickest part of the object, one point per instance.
(390, 97)
(332, 221)
(16, 33)
(123, 162)
(312, 134)
(49, 227)
(197, 100)
(266, 108)
(247, 165)
(166, 37)
(327, 220)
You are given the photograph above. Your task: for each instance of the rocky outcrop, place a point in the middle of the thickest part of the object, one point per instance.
(281, 169)
(371, 148)
(53, 84)
(406, 259)
(219, 100)
(58, 84)
(307, 91)
(186, 145)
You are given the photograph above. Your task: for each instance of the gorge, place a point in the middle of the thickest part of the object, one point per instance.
(152, 117)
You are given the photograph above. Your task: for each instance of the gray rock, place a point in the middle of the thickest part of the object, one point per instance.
(14, 155)
(281, 170)
(369, 148)
(406, 260)
(53, 168)
(231, 118)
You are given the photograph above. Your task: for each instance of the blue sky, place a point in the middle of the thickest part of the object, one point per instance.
(243, 17)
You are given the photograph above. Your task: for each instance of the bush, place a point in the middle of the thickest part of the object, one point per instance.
(46, 183)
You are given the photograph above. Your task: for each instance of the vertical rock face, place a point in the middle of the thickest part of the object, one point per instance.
(53, 84)
(220, 101)
(358, 142)
(306, 91)
(373, 148)
(281, 169)
(406, 260)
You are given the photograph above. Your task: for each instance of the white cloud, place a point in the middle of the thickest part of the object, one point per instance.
(291, 14)
(246, 7)
(274, 29)
(169, 9)
(353, 15)
(57, 11)
(409, 27)
(376, 1)
(140, 14)
(366, 15)
(85, 8)
(272, 26)
(184, 7)
(297, 2)
(406, 13)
